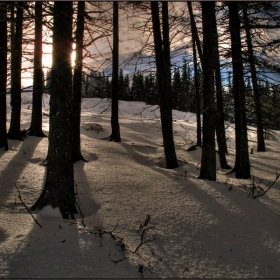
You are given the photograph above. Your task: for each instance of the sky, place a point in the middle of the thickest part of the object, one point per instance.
(132, 37)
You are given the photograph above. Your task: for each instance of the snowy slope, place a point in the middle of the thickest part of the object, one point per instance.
(198, 228)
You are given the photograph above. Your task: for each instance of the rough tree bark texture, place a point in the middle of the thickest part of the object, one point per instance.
(220, 119)
(59, 185)
(251, 58)
(14, 130)
(77, 85)
(208, 159)
(36, 118)
(242, 163)
(3, 76)
(115, 135)
(162, 51)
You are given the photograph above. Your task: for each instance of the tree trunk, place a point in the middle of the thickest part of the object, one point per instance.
(14, 130)
(220, 119)
(115, 136)
(162, 51)
(77, 85)
(251, 58)
(198, 105)
(36, 118)
(59, 185)
(194, 32)
(3, 76)
(208, 159)
(242, 163)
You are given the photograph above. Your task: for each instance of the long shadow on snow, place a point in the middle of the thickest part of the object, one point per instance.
(60, 249)
(16, 165)
(220, 238)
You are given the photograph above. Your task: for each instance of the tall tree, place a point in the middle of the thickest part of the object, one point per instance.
(58, 190)
(115, 135)
(257, 103)
(14, 130)
(162, 52)
(208, 158)
(220, 120)
(3, 75)
(242, 163)
(195, 36)
(196, 42)
(36, 118)
(77, 84)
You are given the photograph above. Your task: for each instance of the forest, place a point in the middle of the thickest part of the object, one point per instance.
(149, 74)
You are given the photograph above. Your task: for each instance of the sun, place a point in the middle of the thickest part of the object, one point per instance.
(47, 56)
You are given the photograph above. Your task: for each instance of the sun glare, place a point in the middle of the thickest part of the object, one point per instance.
(47, 56)
(73, 54)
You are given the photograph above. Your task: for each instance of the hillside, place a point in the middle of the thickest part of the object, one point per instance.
(197, 228)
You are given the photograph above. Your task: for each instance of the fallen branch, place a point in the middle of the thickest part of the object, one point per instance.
(124, 248)
(19, 196)
(144, 228)
(260, 190)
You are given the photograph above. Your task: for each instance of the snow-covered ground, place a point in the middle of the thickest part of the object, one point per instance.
(197, 228)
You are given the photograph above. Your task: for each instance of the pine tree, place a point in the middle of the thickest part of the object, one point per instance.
(177, 94)
(186, 86)
(242, 163)
(77, 85)
(36, 117)
(3, 75)
(162, 52)
(126, 89)
(58, 190)
(115, 135)
(257, 103)
(208, 158)
(16, 65)
(121, 85)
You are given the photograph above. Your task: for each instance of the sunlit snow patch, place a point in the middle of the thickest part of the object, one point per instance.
(50, 211)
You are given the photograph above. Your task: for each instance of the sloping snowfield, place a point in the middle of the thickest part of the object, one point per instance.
(197, 228)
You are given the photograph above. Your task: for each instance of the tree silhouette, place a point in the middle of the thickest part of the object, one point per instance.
(3, 75)
(59, 185)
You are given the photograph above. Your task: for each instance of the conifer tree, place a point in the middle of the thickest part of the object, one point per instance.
(242, 163)
(162, 52)
(208, 159)
(77, 85)
(3, 75)
(58, 190)
(36, 117)
(16, 65)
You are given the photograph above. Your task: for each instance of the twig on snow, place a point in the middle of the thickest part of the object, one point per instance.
(19, 196)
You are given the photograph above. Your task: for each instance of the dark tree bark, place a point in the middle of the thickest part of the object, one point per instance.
(242, 163)
(3, 75)
(36, 118)
(115, 135)
(251, 58)
(195, 33)
(220, 119)
(162, 52)
(14, 130)
(77, 85)
(208, 159)
(59, 185)
(198, 105)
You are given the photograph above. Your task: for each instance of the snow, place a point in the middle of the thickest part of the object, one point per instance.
(201, 228)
